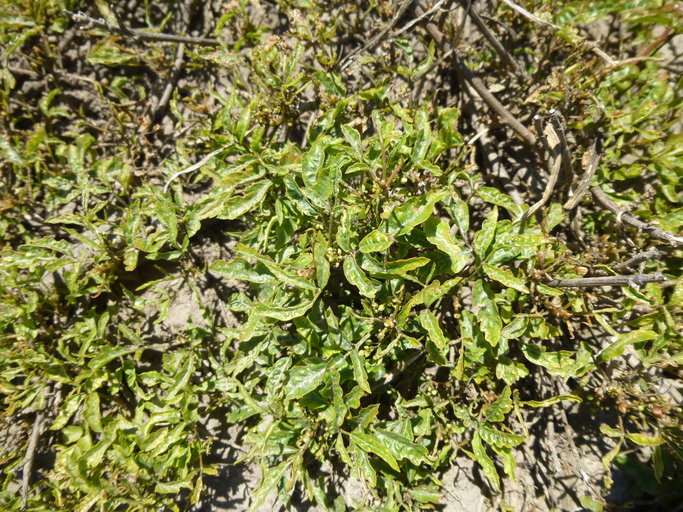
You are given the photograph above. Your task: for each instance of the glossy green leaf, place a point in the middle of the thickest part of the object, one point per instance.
(498, 409)
(495, 196)
(486, 311)
(645, 440)
(498, 438)
(431, 324)
(355, 275)
(322, 266)
(617, 348)
(375, 241)
(240, 270)
(485, 462)
(305, 377)
(401, 447)
(505, 277)
(92, 414)
(237, 206)
(371, 444)
(484, 237)
(413, 212)
(311, 162)
(269, 481)
(551, 401)
(359, 372)
(438, 233)
(283, 313)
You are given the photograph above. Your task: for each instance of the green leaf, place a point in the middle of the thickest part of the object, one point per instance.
(485, 462)
(426, 494)
(108, 354)
(67, 410)
(438, 233)
(271, 478)
(498, 438)
(560, 363)
(375, 241)
(617, 348)
(484, 237)
(486, 311)
(237, 206)
(431, 324)
(91, 414)
(370, 443)
(401, 447)
(290, 278)
(498, 409)
(413, 212)
(322, 266)
(283, 313)
(240, 270)
(357, 277)
(305, 377)
(352, 137)
(312, 161)
(551, 401)
(505, 277)
(591, 504)
(359, 372)
(644, 440)
(461, 214)
(396, 268)
(93, 457)
(435, 354)
(181, 379)
(495, 196)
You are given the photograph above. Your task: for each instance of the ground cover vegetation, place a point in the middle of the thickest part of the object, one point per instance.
(404, 234)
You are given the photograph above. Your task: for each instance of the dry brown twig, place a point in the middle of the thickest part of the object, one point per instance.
(88, 22)
(632, 220)
(554, 146)
(27, 463)
(591, 161)
(633, 280)
(493, 41)
(477, 84)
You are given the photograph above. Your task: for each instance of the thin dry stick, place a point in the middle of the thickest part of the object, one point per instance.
(591, 161)
(479, 86)
(88, 23)
(590, 44)
(651, 254)
(27, 463)
(554, 146)
(632, 220)
(493, 41)
(377, 38)
(194, 167)
(633, 280)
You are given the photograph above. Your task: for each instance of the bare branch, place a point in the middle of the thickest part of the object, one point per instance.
(27, 463)
(632, 220)
(89, 22)
(479, 86)
(634, 280)
(493, 41)
(591, 162)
